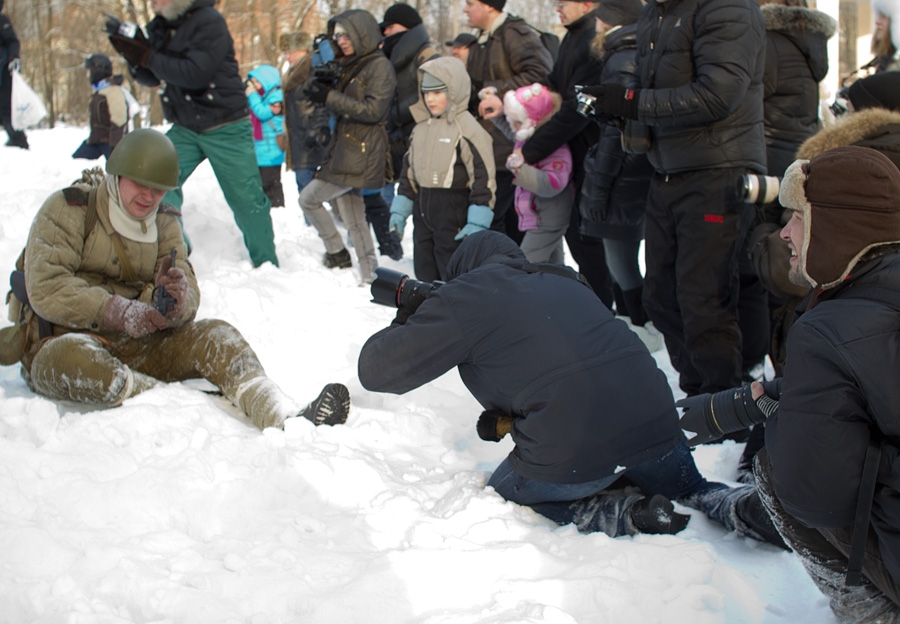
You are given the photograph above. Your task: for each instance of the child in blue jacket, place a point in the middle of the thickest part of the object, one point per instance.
(266, 115)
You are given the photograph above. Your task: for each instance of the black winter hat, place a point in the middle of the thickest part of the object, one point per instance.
(620, 12)
(402, 14)
(878, 91)
(497, 4)
(100, 67)
(463, 40)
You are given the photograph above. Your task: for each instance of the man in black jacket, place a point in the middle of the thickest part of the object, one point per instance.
(9, 59)
(838, 410)
(191, 51)
(580, 394)
(700, 65)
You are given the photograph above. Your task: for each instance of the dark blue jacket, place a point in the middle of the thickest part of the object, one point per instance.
(195, 58)
(841, 386)
(543, 347)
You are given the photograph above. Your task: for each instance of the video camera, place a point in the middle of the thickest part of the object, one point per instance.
(585, 106)
(115, 27)
(328, 73)
(398, 290)
(758, 189)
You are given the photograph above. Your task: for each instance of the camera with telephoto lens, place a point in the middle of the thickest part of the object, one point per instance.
(841, 104)
(116, 27)
(711, 416)
(398, 290)
(585, 106)
(758, 189)
(327, 73)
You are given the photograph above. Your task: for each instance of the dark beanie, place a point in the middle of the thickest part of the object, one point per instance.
(620, 12)
(850, 197)
(877, 91)
(99, 66)
(402, 14)
(497, 4)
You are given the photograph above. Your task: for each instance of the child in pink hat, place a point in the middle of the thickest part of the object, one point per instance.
(544, 194)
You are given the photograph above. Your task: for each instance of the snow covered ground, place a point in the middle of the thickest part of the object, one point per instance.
(174, 509)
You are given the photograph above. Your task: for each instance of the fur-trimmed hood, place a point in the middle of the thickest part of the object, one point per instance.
(176, 9)
(854, 128)
(807, 29)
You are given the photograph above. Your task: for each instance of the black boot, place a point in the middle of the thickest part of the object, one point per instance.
(331, 407)
(634, 306)
(749, 510)
(338, 260)
(657, 516)
(379, 216)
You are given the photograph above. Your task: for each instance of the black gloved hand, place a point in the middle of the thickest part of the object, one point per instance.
(493, 425)
(317, 92)
(136, 52)
(615, 99)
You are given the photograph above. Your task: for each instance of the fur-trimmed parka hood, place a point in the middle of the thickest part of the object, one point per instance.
(851, 130)
(807, 29)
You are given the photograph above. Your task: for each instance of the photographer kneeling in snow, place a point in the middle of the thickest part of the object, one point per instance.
(580, 394)
(105, 299)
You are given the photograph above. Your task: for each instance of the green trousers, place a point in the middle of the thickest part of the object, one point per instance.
(86, 369)
(231, 154)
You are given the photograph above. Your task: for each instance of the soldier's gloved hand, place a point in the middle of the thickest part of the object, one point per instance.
(133, 317)
(135, 51)
(493, 425)
(477, 218)
(401, 208)
(176, 284)
(615, 99)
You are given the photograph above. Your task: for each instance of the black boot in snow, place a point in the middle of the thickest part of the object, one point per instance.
(331, 407)
(338, 260)
(750, 511)
(657, 516)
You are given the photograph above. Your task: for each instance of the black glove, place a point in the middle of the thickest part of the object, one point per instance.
(317, 92)
(136, 52)
(493, 425)
(615, 100)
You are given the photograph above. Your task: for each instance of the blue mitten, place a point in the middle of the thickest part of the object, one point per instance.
(478, 218)
(401, 208)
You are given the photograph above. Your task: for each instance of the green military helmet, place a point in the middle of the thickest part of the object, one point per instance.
(146, 156)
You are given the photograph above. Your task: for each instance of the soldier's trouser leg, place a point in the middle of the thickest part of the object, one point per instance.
(214, 350)
(77, 367)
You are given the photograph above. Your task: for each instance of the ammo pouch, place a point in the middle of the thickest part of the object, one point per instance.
(636, 138)
(14, 340)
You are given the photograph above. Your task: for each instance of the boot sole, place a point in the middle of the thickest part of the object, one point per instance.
(331, 407)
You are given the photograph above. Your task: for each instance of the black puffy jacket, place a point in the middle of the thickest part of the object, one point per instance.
(195, 58)
(840, 385)
(701, 64)
(588, 394)
(614, 194)
(796, 60)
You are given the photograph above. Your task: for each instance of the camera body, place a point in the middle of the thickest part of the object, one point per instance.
(758, 189)
(585, 105)
(115, 27)
(398, 290)
(841, 104)
(328, 73)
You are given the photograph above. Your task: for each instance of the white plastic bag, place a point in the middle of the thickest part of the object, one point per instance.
(27, 107)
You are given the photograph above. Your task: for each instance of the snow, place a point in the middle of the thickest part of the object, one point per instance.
(174, 509)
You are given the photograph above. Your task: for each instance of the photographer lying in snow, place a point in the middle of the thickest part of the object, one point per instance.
(828, 474)
(90, 328)
(580, 394)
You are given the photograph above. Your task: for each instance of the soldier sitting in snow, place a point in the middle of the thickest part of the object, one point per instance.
(89, 323)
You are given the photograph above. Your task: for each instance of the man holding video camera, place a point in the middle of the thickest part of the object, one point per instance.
(588, 409)
(829, 473)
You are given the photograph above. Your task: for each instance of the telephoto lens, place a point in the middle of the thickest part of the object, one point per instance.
(758, 189)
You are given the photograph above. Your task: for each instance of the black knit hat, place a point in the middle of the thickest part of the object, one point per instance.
(463, 40)
(619, 12)
(878, 91)
(402, 14)
(497, 4)
(100, 67)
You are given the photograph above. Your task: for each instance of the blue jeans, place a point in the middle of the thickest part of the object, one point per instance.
(589, 507)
